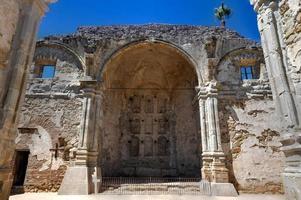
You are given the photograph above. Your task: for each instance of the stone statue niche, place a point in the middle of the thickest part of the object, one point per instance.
(134, 104)
(148, 146)
(163, 146)
(134, 146)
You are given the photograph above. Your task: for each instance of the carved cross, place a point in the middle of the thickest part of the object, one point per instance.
(56, 150)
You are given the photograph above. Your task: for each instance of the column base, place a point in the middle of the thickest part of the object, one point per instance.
(214, 167)
(77, 181)
(292, 174)
(223, 189)
(292, 185)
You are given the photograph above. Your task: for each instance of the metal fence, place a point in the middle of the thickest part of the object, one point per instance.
(154, 186)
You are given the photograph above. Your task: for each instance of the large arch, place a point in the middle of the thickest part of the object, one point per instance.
(49, 51)
(151, 123)
(153, 42)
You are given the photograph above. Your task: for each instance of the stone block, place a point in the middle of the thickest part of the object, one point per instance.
(76, 181)
(223, 189)
(292, 185)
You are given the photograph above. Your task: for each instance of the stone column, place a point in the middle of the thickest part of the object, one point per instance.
(12, 87)
(78, 178)
(214, 160)
(278, 64)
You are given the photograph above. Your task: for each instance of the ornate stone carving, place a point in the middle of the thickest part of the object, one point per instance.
(214, 168)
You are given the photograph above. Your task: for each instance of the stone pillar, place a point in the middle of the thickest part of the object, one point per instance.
(270, 23)
(78, 178)
(12, 87)
(275, 60)
(214, 160)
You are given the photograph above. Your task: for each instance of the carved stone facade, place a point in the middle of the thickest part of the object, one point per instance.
(120, 105)
(155, 100)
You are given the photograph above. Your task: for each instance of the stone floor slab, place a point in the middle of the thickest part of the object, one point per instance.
(54, 196)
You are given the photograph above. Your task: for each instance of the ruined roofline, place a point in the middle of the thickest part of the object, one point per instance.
(93, 36)
(157, 27)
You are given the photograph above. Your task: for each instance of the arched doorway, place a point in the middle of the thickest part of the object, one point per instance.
(150, 119)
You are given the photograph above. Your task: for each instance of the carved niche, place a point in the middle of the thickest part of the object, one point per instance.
(134, 104)
(149, 104)
(134, 145)
(163, 146)
(162, 105)
(134, 125)
(163, 125)
(148, 146)
(148, 125)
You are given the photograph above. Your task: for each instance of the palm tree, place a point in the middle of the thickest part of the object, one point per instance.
(222, 13)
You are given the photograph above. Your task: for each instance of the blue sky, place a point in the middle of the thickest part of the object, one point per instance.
(66, 15)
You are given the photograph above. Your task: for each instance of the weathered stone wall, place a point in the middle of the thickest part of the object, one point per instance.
(104, 41)
(53, 110)
(279, 26)
(250, 125)
(290, 11)
(251, 131)
(57, 121)
(247, 117)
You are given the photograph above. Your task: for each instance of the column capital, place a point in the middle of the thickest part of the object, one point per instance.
(260, 5)
(88, 86)
(208, 89)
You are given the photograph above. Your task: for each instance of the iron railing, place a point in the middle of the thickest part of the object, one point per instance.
(154, 186)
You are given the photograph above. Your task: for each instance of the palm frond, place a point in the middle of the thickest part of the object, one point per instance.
(222, 12)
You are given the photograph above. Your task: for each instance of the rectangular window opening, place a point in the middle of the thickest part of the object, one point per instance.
(246, 73)
(48, 71)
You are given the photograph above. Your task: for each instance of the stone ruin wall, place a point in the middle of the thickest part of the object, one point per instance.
(250, 136)
(250, 126)
(290, 11)
(248, 120)
(50, 115)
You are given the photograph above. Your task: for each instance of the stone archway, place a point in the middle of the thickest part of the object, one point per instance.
(150, 120)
